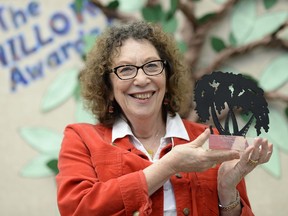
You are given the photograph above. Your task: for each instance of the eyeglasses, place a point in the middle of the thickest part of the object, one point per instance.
(152, 68)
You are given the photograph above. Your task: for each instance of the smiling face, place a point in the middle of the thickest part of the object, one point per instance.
(142, 96)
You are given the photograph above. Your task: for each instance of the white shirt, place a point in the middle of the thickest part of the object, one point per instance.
(174, 128)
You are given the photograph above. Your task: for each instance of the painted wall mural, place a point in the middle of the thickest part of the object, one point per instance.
(22, 37)
(30, 49)
(247, 31)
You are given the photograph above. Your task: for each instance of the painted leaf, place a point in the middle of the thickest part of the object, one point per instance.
(60, 90)
(170, 26)
(173, 8)
(278, 128)
(37, 167)
(128, 6)
(42, 139)
(113, 5)
(278, 132)
(182, 46)
(82, 115)
(89, 41)
(265, 25)
(232, 39)
(78, 5)
(243, 18)
(269, 3)
(220, 1)
(217, 44)
(53, 165)
(152, 14)
(205, 18)
(275, 75)
(273, 166)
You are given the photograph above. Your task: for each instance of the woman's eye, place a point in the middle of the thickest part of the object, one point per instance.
(151, 65)
(126, 69)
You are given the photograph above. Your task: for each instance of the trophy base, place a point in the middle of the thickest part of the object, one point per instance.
(228, 142)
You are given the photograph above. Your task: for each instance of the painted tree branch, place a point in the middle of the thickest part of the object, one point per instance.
(194, 35)
(274, 95)
(110, 13)
(198, 32)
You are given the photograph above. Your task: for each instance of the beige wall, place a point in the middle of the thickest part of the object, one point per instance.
(37, 196)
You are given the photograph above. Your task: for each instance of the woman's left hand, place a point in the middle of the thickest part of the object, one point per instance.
(230, 173)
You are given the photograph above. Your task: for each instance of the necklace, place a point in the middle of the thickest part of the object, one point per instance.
(149, 148)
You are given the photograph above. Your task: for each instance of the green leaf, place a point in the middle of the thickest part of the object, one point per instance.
(275, 75)
(277, 133)
(182, 46)
(173, 8)
(170, 26)
(266, 24)
(286, 111)
(128, 6)
(78, 5)
(113, 5)
(217, 44)
(249, 76)
(38, 167)
(153, 14)
(89, 41)
(232, 39)
(269, 3)
(243, 18)
(220, 1)
(82, 115)
(205, 18)
(273, 166)
(42, 139)
(53, 166)
(278, 128)
(60, 90)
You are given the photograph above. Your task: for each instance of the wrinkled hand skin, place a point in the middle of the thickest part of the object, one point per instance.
(231, 172)
(191, 157)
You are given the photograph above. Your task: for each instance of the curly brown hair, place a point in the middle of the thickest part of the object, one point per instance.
(94, 78)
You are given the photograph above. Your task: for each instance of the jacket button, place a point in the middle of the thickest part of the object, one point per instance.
(186, 211)
(178, 175)
(136, 213)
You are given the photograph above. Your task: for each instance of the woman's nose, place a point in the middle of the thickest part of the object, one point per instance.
(141, 78)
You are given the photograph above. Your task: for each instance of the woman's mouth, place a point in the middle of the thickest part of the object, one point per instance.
(142, 96)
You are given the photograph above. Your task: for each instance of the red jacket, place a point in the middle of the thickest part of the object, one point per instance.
(99, 178)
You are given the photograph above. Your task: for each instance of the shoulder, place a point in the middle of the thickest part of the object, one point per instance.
(86, 126)
(193, 127)
(88, 130)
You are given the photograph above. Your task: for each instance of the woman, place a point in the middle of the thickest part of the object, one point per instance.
(142, 158)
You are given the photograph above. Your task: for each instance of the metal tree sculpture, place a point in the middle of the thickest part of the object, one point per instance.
(218, 90)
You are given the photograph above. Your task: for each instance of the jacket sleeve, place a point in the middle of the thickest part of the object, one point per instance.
(80, 192)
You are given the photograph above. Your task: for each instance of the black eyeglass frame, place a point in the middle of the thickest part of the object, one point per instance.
(114, 70)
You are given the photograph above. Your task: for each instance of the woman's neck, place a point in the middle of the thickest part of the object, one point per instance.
(149, 133)
(147, 128)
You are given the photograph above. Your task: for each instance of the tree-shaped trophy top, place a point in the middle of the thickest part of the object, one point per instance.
(218, 91)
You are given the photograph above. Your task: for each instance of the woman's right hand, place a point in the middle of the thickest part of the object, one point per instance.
(192, 157)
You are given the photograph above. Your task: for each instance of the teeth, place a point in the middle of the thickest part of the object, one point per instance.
(143, 96)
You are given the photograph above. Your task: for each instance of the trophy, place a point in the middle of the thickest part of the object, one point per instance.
(223, 95)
